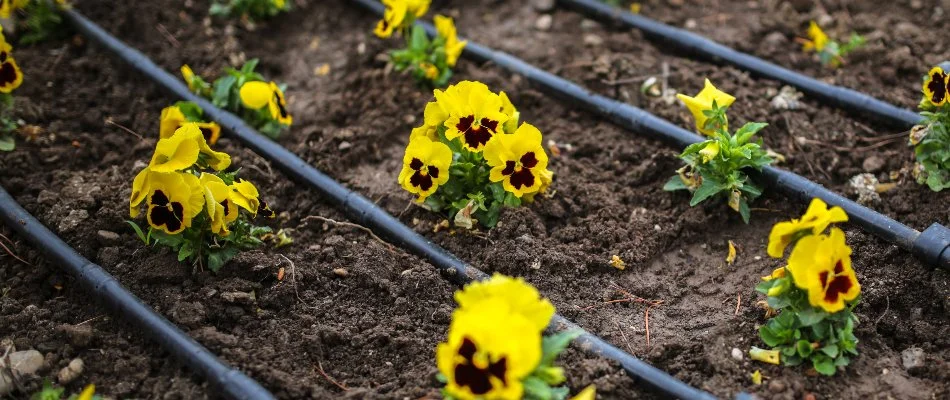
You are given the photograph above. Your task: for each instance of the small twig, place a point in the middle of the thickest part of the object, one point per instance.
(646, 324)
(324, 374)
(738, 302)
(168, 35)
(886, 309)
(12, 254)
(293, 276)
(625, 342)
(352, 225)
(59, 57)
(90, 320)
(624, 81)
(109, 121)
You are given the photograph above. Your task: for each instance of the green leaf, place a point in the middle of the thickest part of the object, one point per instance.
(803, 347)
(553, 345)
(824, 365)
(7, 143)
(535, 388)
(186, 250)
(249, 66)
(675, 183)
(746, 131)
(708, 189)
(830, 350)
(744, 210)
(222, 90)
(217, 259)
(138, 231)
(419, 40)
(769, 336)
(811, 316)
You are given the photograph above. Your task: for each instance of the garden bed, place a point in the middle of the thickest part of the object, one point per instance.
(368, 317)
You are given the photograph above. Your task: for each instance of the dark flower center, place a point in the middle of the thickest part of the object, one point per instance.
(424, 174)
(279, 100)
(835, 285)
(8, 73)
(519, 172)
(476, 133)
(263, 209)
(478, 380)
(206, 132)
(938, 87)
(162, 212)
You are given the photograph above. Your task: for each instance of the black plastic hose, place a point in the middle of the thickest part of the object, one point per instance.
(700, 46)
(932, 246)
(367, 213)
(107, 290)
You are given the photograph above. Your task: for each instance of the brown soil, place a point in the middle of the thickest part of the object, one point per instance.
(374, 328)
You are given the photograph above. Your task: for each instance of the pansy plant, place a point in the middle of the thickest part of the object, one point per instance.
(495, 347)
(36, 20)
(830, 53)
(814, 294)
(716, 167)
(191, 203)
(931, 139)
(10, 78)
(246, 93)
(429, 61)
(250, 9)
(470, 158)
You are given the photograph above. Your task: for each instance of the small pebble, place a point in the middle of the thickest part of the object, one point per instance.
(544, 22)
(71, 371)
(591, 39)
(341, 272)
(737, 354)
(873, 164)
(21, 363)
(108, 236)
(344, 145)
(690, 24)
(913, 358)
(777, 386)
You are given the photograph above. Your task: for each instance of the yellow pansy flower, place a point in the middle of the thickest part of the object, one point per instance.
(445, 27)
(425, 167)
(418, 8)
(87, 393)
(710, 151)
(816, 219)
(173, 200)
(511, 125)
(172, 118)
(936, 87)
(517, 160)
(393, 18)
(703, 102)
(589, 393)
(515, 295)
(488, 353)
(278, 106)
(181, 150)
(817, 38)
(190, 78)
(475, 114)
(430, 70)
(280, 3)
(139, 191)
(221, 211)
(255, 94)
(776, 273)
(10, 75)
(245, 195)
(821, 265)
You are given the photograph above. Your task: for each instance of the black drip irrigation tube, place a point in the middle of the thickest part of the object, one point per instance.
(932, 245)
(368, 214)
(710, 50)
(231, 383)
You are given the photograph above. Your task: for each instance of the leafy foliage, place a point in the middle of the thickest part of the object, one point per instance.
(40, 21)
(931, 143)
(8, 124)
(715, 167)
(803, 333)
(252, 9)
(423, 58)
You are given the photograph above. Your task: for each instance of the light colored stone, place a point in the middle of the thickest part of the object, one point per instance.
(913, 358)
(543, 5)
(21, 363)
(70, 372)
(737, 354)
(591, 39)
(544, 22)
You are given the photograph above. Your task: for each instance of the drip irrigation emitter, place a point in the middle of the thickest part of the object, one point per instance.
(694, 44)
(102, 286)
(368, 214)
(932, 245)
